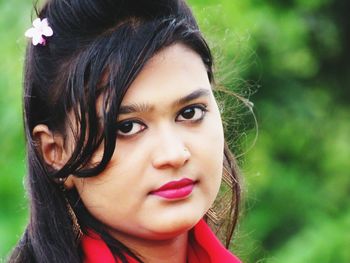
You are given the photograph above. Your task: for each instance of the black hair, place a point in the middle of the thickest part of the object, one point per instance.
(97, 49)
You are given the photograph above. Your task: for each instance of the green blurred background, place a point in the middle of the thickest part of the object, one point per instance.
(292, 58)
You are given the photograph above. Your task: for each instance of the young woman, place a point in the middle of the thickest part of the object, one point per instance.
(125, 141)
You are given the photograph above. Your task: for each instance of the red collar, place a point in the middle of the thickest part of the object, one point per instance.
(204, 247)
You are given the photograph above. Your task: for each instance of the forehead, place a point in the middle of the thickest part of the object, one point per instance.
(174, 72)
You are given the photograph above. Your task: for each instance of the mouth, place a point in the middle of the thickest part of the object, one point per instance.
(175, 189)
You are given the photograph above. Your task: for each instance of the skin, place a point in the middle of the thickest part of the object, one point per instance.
(169, 141)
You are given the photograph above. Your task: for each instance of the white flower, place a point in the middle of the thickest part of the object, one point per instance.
(40, 28)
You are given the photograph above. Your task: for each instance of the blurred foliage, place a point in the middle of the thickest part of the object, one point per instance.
(291, 58)
(14, 17)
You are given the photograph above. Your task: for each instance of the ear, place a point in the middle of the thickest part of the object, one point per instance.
(51, 147)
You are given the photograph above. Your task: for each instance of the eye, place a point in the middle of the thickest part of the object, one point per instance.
(129, 128)
(192, 113)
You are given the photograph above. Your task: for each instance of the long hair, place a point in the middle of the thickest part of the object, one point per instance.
(98, 48)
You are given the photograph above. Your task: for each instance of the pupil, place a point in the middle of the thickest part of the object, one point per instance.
(188, 113)
(126, 127)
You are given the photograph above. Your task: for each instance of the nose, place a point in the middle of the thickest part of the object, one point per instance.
(170, 152)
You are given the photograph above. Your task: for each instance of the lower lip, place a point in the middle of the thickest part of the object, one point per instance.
(175, 193)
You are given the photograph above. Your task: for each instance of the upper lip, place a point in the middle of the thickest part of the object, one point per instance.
(174, 185)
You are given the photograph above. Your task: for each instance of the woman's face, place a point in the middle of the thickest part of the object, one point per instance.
(166, 169)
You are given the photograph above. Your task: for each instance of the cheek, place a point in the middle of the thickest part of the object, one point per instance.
(212, 144)
(210, 150)
(116, 191)
(107, 196)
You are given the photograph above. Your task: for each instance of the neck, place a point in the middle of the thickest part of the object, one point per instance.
(158, 251)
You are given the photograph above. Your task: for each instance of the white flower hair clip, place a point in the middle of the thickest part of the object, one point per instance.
(39, 30)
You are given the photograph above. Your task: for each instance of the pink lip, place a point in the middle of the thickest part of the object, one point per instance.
(175, 189)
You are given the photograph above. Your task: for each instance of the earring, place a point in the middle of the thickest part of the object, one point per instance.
(76, 227)
(61, 180)
(219, 214)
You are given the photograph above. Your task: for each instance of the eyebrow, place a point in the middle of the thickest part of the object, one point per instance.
(144, 107)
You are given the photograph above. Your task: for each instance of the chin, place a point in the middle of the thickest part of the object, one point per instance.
(163, 228)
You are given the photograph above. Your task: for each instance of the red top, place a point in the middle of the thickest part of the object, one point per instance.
(203, 247)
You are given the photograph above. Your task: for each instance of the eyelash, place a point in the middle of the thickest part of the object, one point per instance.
(201, 107)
